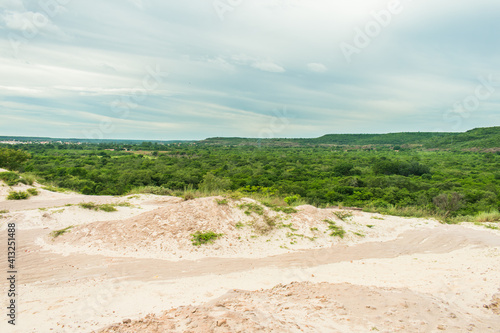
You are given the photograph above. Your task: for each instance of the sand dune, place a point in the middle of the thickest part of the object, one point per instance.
(138, 264)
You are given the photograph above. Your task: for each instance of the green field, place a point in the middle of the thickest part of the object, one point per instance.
(416, 174)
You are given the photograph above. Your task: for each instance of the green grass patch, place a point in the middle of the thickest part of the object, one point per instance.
(10, 178)
(157, 190)
(221, 201)
(336, 231)
(491, 216)
(104, 207)
(252, 208)
(53, 189)
(60, 232)
(343, 215)
(204, 237)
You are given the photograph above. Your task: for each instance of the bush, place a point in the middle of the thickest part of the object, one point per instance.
(10, 178)
(12, 159)
(221, 201)
(107, 208)
(89, 205)
(292, 199)
(157, 190)
(211, 183)
(33, 191)
(491, 216)
(205, 237)
(448, 203)
(21, 195)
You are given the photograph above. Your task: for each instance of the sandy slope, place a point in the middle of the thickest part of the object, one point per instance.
(387, 274)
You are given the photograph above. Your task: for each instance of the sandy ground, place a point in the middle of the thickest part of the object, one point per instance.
(269, 272)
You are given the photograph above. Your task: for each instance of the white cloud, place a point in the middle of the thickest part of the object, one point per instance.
(12, 5)
(268, 66)
(30, 23)
(317, 67)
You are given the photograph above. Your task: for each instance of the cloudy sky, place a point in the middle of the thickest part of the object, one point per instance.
(191, 69)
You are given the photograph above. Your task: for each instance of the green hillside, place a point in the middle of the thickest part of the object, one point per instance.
(482, 138)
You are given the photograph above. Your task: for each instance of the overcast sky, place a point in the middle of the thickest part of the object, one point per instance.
(191, 69)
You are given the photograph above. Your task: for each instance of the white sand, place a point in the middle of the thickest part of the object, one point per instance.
(407, 275)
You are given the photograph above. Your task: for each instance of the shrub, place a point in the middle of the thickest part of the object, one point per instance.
(292, 199)
(28, 179)
(211, 183)
(10, 178)
(107, 208)
(491, 216)
(343, 215)
(157, 190)
(12, 159)
(89, 205)
(103, 207)
(53, 189)
(221, 201)
(448, 203)
(188, 196)
(21, 195)
(33, 191)
(199, 237)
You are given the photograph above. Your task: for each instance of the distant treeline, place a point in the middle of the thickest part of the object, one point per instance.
(452, 181)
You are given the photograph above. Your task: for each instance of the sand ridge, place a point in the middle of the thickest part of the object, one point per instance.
(387, 274)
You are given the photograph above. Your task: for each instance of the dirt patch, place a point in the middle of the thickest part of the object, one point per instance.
(313, 307)
(495, 304)
(248, 229)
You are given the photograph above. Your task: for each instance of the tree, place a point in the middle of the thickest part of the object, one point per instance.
(212, 183)
(12, 159)
(450, 202)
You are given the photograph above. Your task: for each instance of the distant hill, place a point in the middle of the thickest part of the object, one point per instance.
(481, 138)
(380, 139)
(487, 137)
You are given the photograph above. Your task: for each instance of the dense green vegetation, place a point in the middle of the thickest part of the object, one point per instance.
(400, 178)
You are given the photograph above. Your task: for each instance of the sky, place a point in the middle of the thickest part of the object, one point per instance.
(192, 69)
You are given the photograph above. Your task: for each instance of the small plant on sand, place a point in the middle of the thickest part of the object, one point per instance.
(204, 237)
(292, 199)
(4, 211)
(60, 232)
(89, 205)
(107, 208)
(188, 196)
(53, 189)
(252, 208)
(103, 207)
(337, 231)
(20, 195)
(239, 225)
(221, 201)
(343, 215)
(33, 191)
